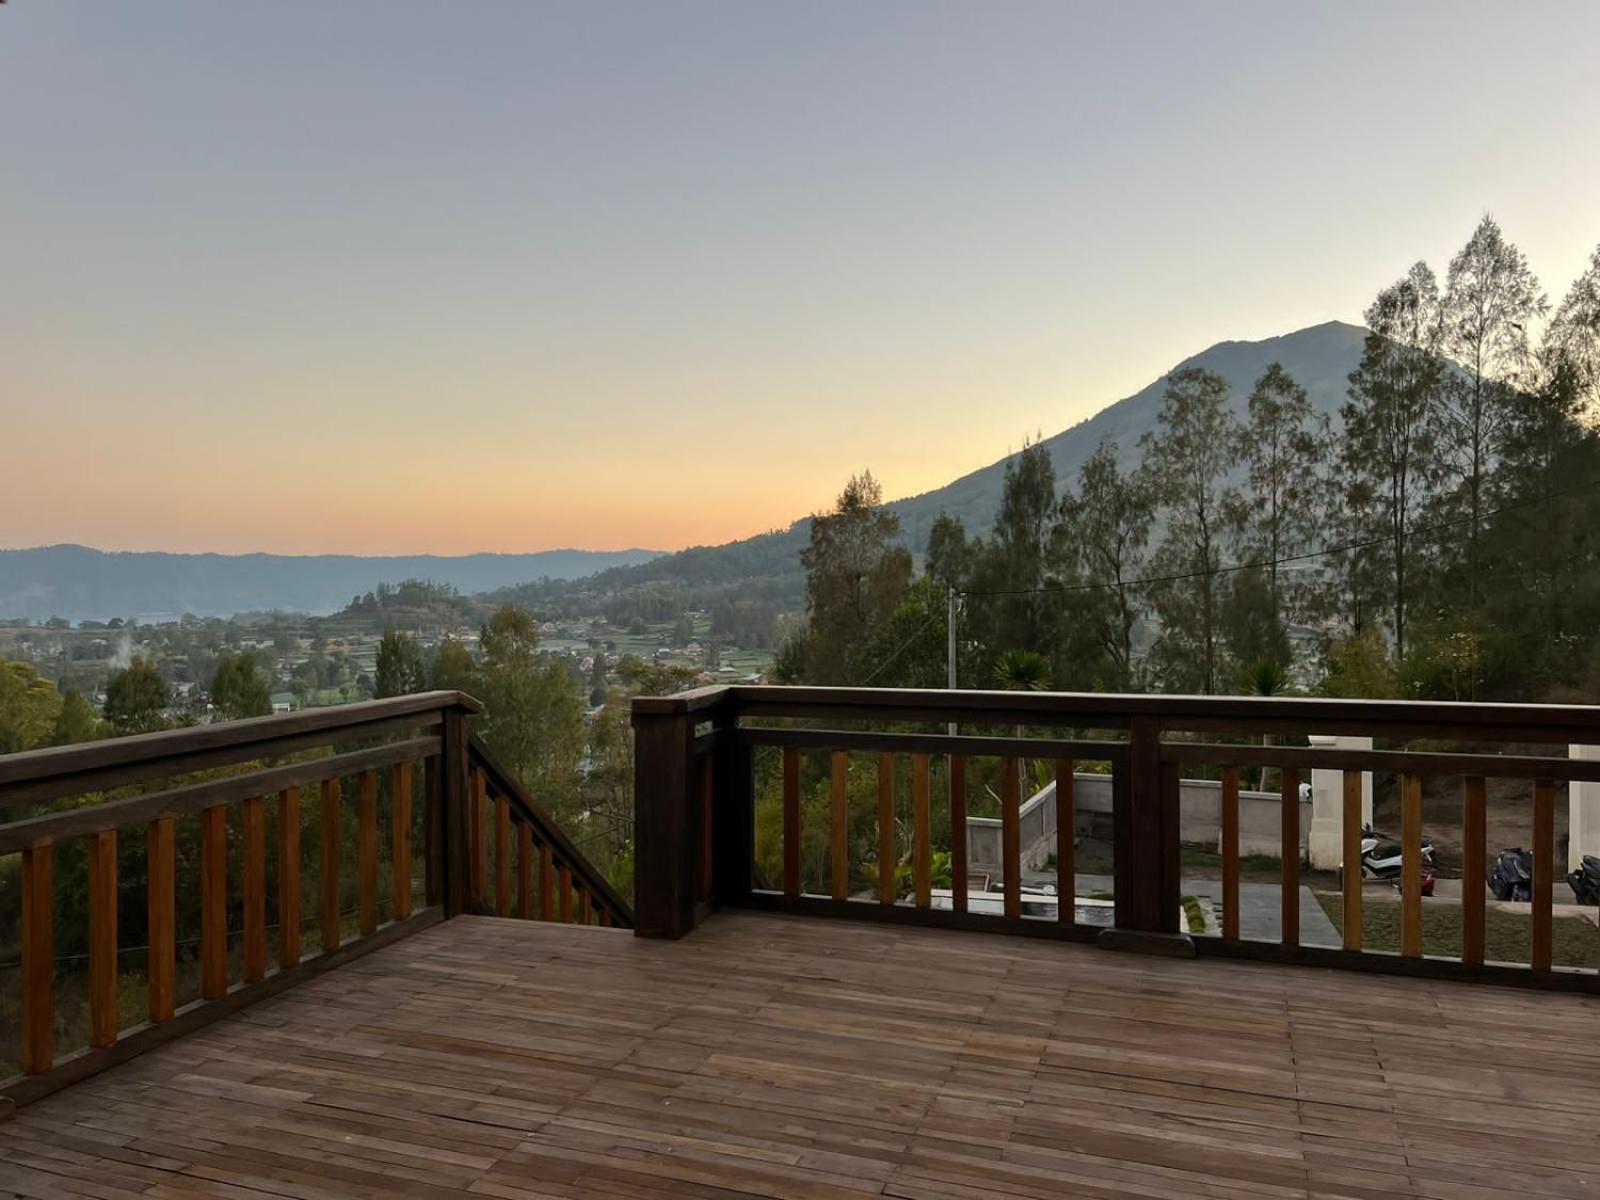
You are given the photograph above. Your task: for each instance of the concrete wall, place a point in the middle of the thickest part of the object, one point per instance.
(1199, 817)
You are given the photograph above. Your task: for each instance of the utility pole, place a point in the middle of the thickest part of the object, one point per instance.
(950, 629)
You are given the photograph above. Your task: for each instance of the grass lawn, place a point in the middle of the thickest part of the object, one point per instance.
(1507, 936)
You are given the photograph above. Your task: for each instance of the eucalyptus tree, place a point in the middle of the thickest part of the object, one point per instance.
(1492, 298)
(1573, 338)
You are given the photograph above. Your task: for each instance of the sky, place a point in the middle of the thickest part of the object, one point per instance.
(397, 276)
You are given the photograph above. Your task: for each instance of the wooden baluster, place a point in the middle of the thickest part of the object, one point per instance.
(921, 832)
(1011, 837)
(547, 883)
(1474, 837)
(1352, 860)
(475, 841)
(38, 960)
(1066, 849)
(332, 792)
(162, 957)
(432, 842)
(887, 859)
(958, 833)
(103, 938)
(1230, 853)
(707, 809)
(605, 918)
(524, 870)
(1411, 865)
(839, 830)
(502, 856)
(214, 902)
(791, 822)
(288, 877)
(1289, 847)
(367, 851)
(400, 855)
(585, 907)
(1544, 854)
(566, 894)
(254, 889)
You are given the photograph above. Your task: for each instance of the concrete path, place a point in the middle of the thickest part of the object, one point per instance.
(1260, 907)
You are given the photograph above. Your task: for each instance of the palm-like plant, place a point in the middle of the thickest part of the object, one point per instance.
(1264, 678)
(1022, 671)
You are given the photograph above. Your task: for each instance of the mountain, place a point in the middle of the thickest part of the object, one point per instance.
(1320, 358)
(79, 583)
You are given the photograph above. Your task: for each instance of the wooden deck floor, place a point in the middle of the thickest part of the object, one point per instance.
(776, 1057)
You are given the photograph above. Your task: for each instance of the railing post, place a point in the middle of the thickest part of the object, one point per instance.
(733, 822)
(667, 833)
(454, 806)
(1145, 847)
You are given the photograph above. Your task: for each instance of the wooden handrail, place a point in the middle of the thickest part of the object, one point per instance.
(550, 834)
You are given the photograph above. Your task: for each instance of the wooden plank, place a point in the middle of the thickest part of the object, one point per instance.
(1352, 860)
(162, 898)
(525, 870)
(839, 829)
(564, 873)
(502, 857)
(254, 890)
(707, 828)
(921, 832)
(37, 1050)
(888, 858)
(1544, 856)
(367, 853)
(332, 797)
(400, 852)
(893, 742)
(1474, 873)
(1066, 844)
(103, 939)
(585, 907)
(1011, 838)
(791, 821)
(958, 833)
(475, 841)
(1411, 866)
(288, 877)
(1230, 853)
(214, 902)
(1289, 848)
(547, 884)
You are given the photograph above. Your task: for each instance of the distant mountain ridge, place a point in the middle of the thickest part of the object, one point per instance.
(80, 583)
(1320, 358)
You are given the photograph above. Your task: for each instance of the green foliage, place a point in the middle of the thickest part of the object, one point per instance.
(137, 699)
(29, 708)
(76, 722)
(454, 668)
(533, 716)
(239, 689)
(399, 669)
(1359, 668)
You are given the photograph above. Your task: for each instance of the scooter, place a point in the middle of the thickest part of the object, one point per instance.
(1585, 881)
(1511, 877)
(1382, 858)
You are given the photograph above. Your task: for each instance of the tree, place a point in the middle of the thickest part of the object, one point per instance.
(1189, 455)
(76, 722)
(1391, 448)
(239, 689)
(453, 668)
(949, 559)
(1104, 528)
(137, 698)
(399, 667)
(1013, 562)
(1022, 671)
(533, 716)
(1574, 334)
(856, 575)
(29, 708)
(1285, 445)
(1491, 300)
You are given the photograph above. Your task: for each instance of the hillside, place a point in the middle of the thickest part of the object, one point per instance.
(1320, 358)
(79, 583)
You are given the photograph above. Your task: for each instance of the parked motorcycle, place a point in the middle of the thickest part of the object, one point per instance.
(1585, 881)
(1511, 877)
(1382, 858)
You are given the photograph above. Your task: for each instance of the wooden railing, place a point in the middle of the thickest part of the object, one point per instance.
(696, 800)
(431, 805)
